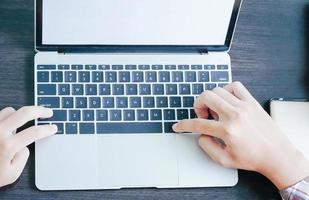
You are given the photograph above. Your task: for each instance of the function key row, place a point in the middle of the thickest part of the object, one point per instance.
(132, 67)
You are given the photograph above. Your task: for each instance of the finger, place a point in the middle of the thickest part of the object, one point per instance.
(24, 115)
(18, 163)
(31, 135)
(210, 100)
(215, 150)
(227, 96)
(214, 115)
(239, 90)
(202, 126)
(6, 112)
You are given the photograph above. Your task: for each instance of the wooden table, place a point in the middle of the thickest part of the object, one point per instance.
(269, 55)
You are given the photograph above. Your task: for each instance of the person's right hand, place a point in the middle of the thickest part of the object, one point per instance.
(13, 147)
(251, 139)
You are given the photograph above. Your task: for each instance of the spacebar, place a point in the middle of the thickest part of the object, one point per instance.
(129, 128)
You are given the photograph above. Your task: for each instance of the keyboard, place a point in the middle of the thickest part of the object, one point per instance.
(123, 99)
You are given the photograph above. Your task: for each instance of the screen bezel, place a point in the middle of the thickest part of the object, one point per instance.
(133, 48)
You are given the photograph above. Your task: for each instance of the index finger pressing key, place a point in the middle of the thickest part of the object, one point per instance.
(24, 115)
(212, 101)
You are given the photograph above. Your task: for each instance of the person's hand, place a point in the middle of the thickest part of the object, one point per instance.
(242, 135)
(13, 147)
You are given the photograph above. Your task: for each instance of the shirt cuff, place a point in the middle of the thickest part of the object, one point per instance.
(298, 191)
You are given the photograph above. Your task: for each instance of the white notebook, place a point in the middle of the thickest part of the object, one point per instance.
(293, 119)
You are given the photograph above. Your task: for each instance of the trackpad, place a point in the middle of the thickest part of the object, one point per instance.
(137, 161)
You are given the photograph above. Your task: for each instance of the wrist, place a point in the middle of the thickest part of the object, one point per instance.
(286, 169)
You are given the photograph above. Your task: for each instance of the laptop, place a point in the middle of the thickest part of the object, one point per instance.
(118, 74)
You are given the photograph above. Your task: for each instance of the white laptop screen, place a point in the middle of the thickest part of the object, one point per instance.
(135, 22)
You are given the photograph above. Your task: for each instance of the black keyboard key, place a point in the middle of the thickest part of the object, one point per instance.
(192, 114)
(131, 67)
(124, 77)
(129, 115)
(184, 89)
(222, 67)
(148, 102)
(67, 102)
(81, 102)
(135, 102)
(64, 89)
(151, 77)
(63, 67)
(177, 76)
(118, 89)
(138, 76)
(94, 102)
(188, 102)
(175, 102)
(168, 127)
(111, 77)
(164, 76)
(104, 89)
(104, 67)
(209, 67)
(49, 102)
(133, 127)
(78, 89)
(90, 67)
(169, 114)
(102, 115)
(196, 67)
(144, 67)
(74, 115)
(161, 102)
(222, 85)
(183, 67)
(43, 77)
(171, 89)
(59, 115)
(197, 89)
(88, 115)
(203, 76)
(158, 89)
(210, 86)
(122, 102)
(91, 89)
(190, 76)
(117, 67)
(131, 89)
(157, 67)
(156, 115)
(60, 128)
(86, 128)
(108, 102)
(97, 77)
(70, 76)
(170, 67)
(46, 89)
(84, 77)
(144, 89)
(182, 114)
(142, 115)
(71, 128)
(77, 67)
(57, 77)
(220, 76)
(46, 67)
(115, 115)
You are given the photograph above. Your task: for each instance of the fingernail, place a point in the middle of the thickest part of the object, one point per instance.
(55, 128)
(175, 127)
(49, 111)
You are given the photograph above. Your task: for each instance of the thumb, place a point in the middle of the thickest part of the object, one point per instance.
(215, 150)
(18, 163)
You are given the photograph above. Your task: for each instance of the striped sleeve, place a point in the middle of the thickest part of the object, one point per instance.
(299, 191)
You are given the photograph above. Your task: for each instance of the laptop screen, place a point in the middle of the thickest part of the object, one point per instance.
(136, 22)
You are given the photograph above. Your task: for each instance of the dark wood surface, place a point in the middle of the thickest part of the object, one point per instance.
(269, 55)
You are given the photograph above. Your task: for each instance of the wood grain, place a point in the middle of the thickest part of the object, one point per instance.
(269, 55)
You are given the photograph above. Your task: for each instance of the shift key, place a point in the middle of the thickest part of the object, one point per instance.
(46, 89)
(59, 115)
